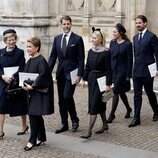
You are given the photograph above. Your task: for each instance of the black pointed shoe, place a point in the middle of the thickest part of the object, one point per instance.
(61, 129)
(134, 123)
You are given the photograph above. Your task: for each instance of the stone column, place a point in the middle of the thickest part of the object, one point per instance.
(133, 15)
(119, 15)
(1, 8)
(143, 7)
(86, 23)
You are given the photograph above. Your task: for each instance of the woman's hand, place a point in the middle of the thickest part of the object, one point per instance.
(82, 83)
(27, 87)
(7, 79)
(107, 88)
(78, 78)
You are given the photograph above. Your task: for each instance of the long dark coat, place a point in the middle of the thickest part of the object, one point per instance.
(121, 62)
(41, 98)
(16, 105)
(98, 64)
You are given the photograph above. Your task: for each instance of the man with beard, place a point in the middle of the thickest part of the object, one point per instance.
(145, 53)
(68, 47)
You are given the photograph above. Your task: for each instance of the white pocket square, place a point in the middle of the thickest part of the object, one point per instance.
(72, 45)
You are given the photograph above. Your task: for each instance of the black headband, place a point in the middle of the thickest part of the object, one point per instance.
(97, 29)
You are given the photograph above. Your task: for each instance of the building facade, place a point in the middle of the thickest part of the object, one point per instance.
(41, 18)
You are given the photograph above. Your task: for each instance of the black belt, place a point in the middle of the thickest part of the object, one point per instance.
(97, 71)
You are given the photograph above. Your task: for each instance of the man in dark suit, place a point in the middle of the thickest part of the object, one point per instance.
(145, 53)
(68, 47)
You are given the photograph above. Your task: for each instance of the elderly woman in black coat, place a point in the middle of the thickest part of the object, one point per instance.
(40, 93)
(11, 56)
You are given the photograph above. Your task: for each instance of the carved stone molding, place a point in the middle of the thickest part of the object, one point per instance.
(75, 4)
(108, 4)
(105, 4)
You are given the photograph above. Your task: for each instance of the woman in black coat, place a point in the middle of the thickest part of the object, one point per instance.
(11, 56)
(40, 93)
(98, 65)
(122, 62)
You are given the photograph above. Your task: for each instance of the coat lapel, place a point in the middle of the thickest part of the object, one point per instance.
(71, 39)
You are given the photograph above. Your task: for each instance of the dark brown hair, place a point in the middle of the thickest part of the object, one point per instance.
(36, 42)
(65, 17)
(142, 17)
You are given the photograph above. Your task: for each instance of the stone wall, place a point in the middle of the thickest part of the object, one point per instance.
(41, 18)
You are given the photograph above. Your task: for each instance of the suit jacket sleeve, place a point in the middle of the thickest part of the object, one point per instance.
(53, 56)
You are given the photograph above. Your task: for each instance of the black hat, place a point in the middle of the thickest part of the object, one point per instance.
(120, 28)
(9, 31)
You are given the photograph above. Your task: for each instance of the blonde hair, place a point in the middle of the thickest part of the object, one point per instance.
(101, 36)
(9, 35)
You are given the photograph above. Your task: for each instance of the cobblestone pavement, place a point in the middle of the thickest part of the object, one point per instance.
(143, 137)
(13, 148)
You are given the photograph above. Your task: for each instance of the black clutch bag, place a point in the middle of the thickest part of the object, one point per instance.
(13, 88)
(30, 82)
(13, 92)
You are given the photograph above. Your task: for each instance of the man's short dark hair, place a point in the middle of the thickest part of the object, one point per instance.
(142, 17)
(65, 17)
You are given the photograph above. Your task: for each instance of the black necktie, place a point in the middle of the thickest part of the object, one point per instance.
(140, 36)
(64, 45)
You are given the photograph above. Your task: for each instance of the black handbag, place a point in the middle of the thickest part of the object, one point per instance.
(30, 82)
(13, 88)
(13, 92)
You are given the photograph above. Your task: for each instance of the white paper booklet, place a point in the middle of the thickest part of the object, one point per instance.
(73, 75)
(26, 76)
(152, 69)
(102, 83)
(10, 71)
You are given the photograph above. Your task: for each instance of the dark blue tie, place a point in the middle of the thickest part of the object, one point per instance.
(64, 46)
(140, 36)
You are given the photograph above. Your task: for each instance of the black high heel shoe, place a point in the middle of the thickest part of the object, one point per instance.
(1, 136)
(86, 136)
(21, 133)
(28, 147)
(128, 113)
(102, 130)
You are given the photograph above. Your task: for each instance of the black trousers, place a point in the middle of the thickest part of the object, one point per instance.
(138, 83)
(66, 100)
(37, 129)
